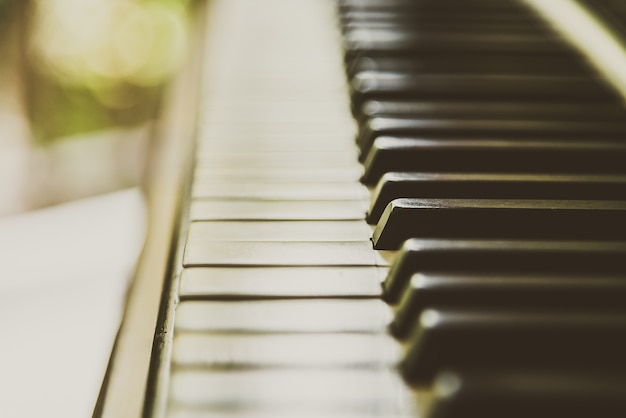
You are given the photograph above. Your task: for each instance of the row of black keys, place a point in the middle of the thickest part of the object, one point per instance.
(499, 159)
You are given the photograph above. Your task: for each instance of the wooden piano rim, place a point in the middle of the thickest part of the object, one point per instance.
(134, 380)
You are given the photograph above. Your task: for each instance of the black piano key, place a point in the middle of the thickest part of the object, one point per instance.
(378, 127)
(413, 126)
(381, 45)
(488, 144)
(384, 25)
(445, 8)
(555, 111)
(528, 393)
(504, 154)
(449, 7)
(394, 185)
(499, 218)
(494, 139)
(508, 290)
(445, 338)
(423, 23)
(501, 63)
(476, 87)
(378, 25)
(541, 257)
(374, 85)
(469, 64)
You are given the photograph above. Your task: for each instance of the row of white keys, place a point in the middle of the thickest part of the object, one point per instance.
(280, 312)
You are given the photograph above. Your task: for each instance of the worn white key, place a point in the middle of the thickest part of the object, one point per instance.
(293, 253)
(316, 315)
(277, 210)
(279, 231)
(275, 282)
(285, 350)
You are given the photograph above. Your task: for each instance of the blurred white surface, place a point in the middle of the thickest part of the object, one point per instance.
(64, 272)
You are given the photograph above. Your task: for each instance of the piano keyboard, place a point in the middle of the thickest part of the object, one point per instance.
(490, 280)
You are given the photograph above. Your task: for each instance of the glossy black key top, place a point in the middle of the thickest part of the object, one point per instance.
(395, 185)
(505, 129)
(554, 111)
(382, 24)
(441, 10)
(397, 86)
(499, 218)
(501, 155)
(500, 63)
(528, 393)
(508, 290)
(390, 43)
(424, 23)
(447, 6)
(466, 256)
(447, 338)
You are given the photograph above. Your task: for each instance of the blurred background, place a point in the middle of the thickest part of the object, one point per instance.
(80, 88)
(80, 82)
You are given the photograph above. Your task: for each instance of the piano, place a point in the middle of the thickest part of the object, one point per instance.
(399, 208)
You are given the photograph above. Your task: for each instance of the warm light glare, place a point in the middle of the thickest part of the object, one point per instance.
(600, 47)
(100, 43)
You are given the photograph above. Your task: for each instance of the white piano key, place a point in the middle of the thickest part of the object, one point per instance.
(347, 374)
(271, 110)
(181, 411)
(297, 316)
(201, 350)
(248, 126)
(259, 282)
(210, 141)
(280, 191)
(255, 253)
(213, 175)
(363, 391)
(301, 160)
(279, 231)
(213, 210)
